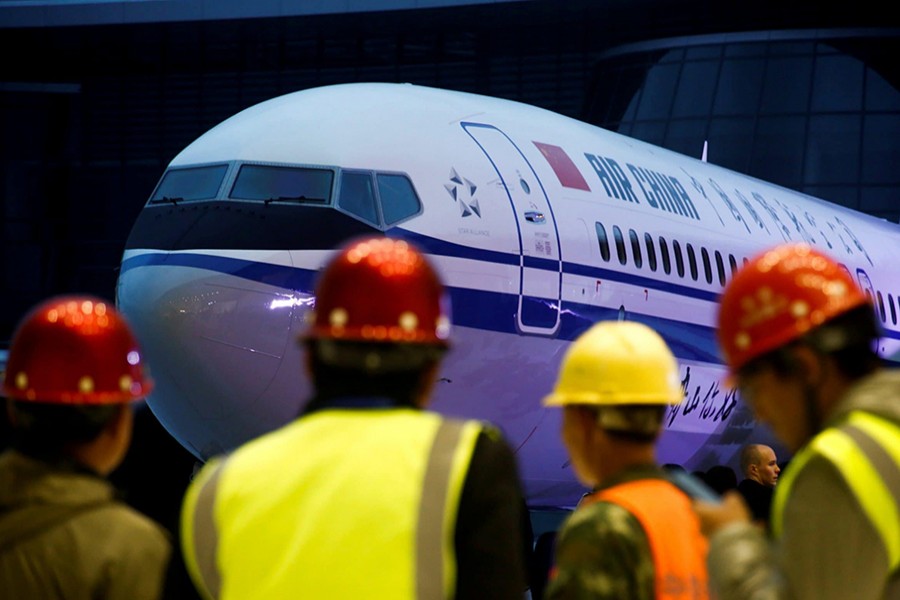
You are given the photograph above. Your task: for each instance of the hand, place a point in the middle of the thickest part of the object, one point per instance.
(714, 516)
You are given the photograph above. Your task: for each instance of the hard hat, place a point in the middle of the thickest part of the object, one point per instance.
(614, 363)
(379, 289)
(75, 350)
(780, 295)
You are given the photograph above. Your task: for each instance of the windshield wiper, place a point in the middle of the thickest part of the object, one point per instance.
(293, 199)
(173, 199)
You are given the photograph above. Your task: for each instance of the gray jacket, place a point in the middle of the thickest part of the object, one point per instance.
(828, 550)
(63, 535)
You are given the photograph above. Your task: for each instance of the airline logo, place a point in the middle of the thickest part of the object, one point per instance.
(463, 191)
(659, 191)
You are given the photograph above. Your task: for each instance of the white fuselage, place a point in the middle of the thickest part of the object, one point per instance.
(540, 225)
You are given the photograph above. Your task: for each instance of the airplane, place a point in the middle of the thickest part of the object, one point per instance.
(540, 225)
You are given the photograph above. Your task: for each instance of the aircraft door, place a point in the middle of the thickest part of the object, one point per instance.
(540, 263)
(866, 284)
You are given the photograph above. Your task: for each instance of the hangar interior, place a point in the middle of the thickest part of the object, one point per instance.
(97, 98)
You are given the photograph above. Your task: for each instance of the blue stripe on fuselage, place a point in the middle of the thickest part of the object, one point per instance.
(478, 309)
(442, 248)
(277, 275)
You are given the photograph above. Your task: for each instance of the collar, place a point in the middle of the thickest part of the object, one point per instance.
(632, 473)
(352, 403)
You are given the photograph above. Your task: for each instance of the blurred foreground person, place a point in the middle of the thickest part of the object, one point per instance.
(365, 495)
(799, 337)
(636, 535)
(74, 367)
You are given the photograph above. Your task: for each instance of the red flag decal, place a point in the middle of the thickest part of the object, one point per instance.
(566, 171)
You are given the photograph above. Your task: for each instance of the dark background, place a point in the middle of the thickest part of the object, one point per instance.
(90, 115)
(95, 100)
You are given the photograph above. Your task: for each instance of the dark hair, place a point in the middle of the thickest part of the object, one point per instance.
(46, 431)
(856, 333)
(721, 478)
(641, 423)
(375, 357)
(401, 382)
(848, 338)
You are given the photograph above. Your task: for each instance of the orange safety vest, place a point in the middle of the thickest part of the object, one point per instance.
(673, 531)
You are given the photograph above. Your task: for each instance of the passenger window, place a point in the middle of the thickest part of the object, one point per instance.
(733, 264)
(192, 183)
(398, 198)
(282, 184)
(602, 241)
(357, 196)
(664, 253)
(620, 245)
(893, 310)
(651, 251)
(636, 248)
(881, 306)
(720, 267)
(679, 260)
(692, 260)
(707, 268)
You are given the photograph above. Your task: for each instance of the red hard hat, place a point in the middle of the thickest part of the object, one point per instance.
(381, 290)
(780, 295)
(75, 350)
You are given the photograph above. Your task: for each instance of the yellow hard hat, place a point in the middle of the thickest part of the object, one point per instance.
(617, 362)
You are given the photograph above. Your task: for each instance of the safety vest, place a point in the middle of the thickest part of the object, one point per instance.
(865, 449)
(338, 504)
(673, 531)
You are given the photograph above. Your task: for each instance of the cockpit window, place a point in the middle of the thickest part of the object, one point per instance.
(362, 193)
(398, 198)
(282, 184)
(192, 183)
(358, 196)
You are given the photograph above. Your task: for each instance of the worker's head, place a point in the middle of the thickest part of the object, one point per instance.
(794, 328)
(74, 367)
(381, 320)
(615, 384)
(759, 463)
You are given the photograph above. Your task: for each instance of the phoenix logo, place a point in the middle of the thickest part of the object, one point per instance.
(463, 191)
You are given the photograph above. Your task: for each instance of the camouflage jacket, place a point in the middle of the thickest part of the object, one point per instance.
(603, 552)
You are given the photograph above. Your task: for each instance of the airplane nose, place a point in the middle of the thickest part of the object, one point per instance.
(201, 336)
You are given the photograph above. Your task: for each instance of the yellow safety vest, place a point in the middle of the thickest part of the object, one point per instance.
(338, 504)
(865, 449)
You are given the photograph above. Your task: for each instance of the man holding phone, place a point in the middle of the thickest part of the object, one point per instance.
(799, 336)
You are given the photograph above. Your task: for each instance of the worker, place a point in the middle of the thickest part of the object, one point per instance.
(799, 338)
(366, 494)
(636, 535)
(73, 373)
